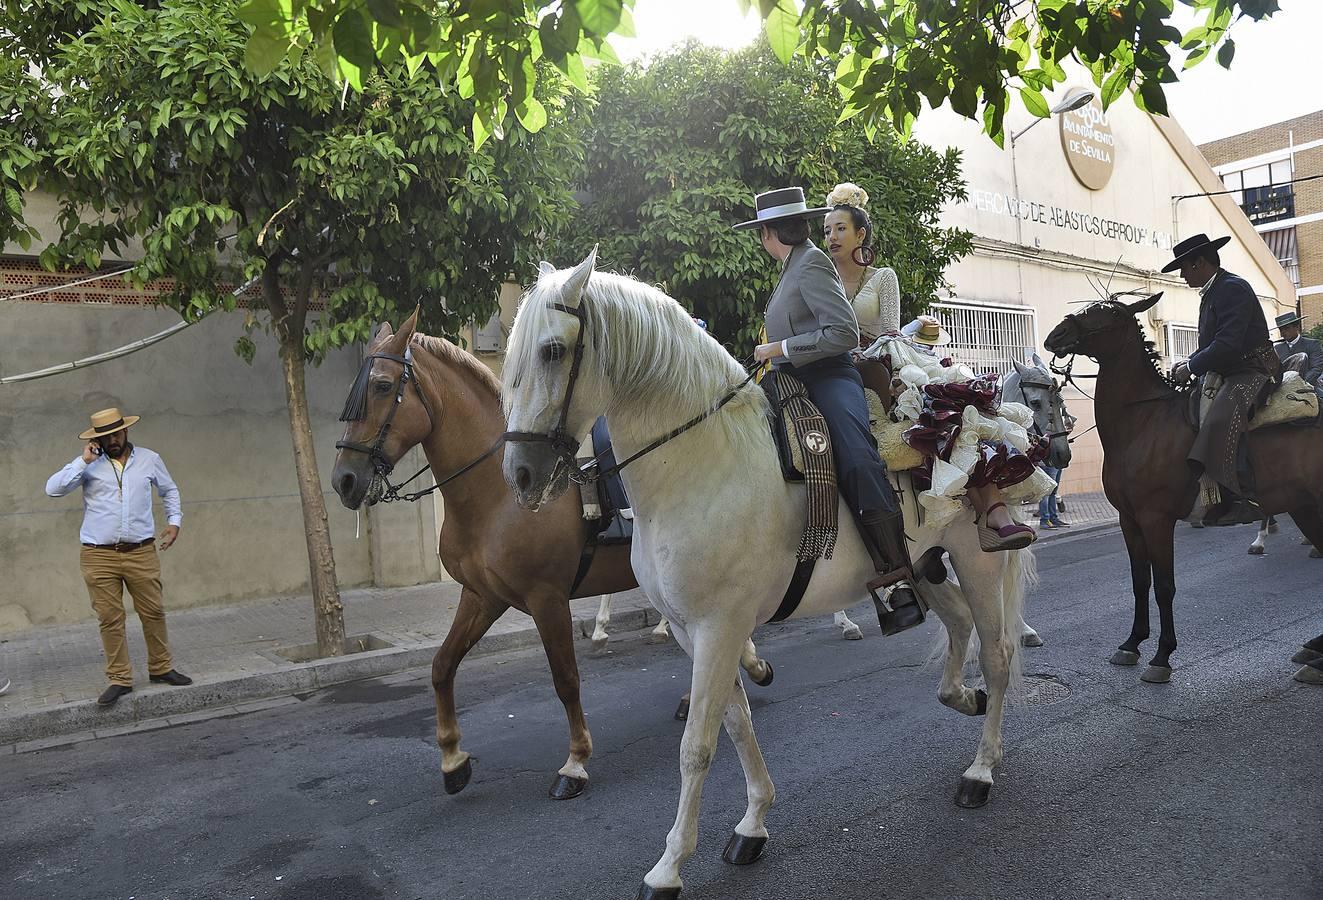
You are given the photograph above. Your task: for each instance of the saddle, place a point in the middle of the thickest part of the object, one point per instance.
(605, 500)
(890, 436)
(1294, 401)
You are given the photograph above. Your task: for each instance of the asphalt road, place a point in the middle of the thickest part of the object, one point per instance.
(1208, 786)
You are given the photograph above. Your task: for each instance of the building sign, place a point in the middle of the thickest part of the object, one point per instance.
(1067, 219)
(1088, 142)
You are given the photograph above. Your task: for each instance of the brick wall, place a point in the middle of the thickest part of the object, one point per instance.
(1308, 196)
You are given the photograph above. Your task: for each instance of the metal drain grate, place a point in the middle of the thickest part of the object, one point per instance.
(1042, 689)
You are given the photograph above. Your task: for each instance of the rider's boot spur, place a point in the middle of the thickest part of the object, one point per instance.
(884, 536)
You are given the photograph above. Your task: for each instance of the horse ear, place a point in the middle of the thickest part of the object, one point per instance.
(384, 332)
(544, 268)
(405, 334)
(578, 279)
(1020, 368)
(1145, 305)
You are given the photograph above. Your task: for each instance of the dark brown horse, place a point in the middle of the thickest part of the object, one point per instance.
(1146, 437)
(504, 556)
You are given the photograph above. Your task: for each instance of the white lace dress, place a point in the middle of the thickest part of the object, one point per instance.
(877, 305)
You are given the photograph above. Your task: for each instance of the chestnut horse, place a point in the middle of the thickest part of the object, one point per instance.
(1146, 437)
(503, 556)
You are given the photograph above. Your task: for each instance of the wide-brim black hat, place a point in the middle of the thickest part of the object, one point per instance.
(1290, 318)
(782, 204)
(1190, 246)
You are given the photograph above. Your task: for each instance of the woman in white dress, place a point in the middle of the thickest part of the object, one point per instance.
(989, 464)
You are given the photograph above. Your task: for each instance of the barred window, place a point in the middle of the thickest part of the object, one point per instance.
(1182, 341)
(988, 337)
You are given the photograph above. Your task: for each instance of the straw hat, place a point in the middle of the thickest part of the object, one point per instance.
(107, 421)
(927, 330)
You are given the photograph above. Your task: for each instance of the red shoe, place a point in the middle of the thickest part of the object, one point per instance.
(1007, 537)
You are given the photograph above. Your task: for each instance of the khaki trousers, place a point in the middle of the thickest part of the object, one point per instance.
(107, 573)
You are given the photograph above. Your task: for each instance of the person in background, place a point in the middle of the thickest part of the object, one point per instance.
(1048, 514)
(1291, 343)
(119, 543)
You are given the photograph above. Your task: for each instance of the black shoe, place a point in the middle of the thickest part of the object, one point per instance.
(905, 611)
(111, 694)
(172, 677)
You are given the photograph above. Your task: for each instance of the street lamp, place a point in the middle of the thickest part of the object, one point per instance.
(1070, 104)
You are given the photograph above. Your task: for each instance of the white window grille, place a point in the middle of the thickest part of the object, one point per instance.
(988, 337)
(1182, 341)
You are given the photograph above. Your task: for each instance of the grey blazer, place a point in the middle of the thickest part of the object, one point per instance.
(808, 309)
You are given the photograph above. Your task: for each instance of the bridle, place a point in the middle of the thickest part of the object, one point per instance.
(563, 443)
(1054, 391)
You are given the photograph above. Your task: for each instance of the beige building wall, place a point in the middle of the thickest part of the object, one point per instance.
(221, 427)
(1068, 238)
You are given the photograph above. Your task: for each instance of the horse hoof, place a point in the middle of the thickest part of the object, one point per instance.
(741, 850)
(980, 702)
(648, 892)
(599, 644)
(1255, 551)
(567, 787)
(1124, 658)
(1156, 674)
(658, 637)
(1031, 640)
(764, 682)
(457, 780)
(854, 634)
(1314, 554)
(682, 711)
(1304, 656)
(1309, 675)
(972, 793)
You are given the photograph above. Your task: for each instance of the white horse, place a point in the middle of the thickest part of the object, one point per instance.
(715, 524)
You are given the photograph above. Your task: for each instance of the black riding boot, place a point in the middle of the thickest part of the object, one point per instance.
(884, 536)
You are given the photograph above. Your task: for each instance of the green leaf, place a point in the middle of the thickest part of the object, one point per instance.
(386, 12)
(480, 131)
(1115, 86)
(353, 41)
(782, 27)
(1226, 53)
(531, 114)
(1034, 102)
(600, 16)
(264, 52)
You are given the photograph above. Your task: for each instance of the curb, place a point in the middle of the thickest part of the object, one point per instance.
(81, 720)
(1077, 531)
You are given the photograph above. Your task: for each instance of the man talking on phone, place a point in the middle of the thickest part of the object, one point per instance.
(119, 543)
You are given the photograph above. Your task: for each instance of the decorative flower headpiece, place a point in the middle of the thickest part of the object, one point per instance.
(848, 194)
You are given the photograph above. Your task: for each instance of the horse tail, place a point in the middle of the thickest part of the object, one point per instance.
(1020, 574)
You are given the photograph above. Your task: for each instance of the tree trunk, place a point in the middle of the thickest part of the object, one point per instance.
(328, 613)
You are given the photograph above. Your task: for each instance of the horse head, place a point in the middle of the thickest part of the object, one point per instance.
(1035, 387)
(385, 417)
(549, 390)
(1100, 329)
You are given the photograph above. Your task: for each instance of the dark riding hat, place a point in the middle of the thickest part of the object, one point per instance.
(1291, 318)
(1190, 246)
(782, 204)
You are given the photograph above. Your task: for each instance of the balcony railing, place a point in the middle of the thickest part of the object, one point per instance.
(1269, 204)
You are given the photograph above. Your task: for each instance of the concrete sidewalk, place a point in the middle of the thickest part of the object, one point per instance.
(231, 652)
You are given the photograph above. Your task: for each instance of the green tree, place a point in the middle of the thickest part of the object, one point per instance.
(1316, 332)
(893, 55)
(348, 208)
(677, 149)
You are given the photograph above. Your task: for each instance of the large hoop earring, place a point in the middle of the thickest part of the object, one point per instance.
(863, 255)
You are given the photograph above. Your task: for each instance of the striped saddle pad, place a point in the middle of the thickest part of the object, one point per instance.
(804, 445)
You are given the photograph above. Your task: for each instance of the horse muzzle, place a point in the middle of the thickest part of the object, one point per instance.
(1063, 339)
(535, 472)
(356, 485)
(1058, 452)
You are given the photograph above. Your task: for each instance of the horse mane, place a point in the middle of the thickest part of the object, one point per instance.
(646, 345)
(1150, 349)
(456, 356)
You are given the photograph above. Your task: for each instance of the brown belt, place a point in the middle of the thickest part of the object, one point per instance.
(122, 547)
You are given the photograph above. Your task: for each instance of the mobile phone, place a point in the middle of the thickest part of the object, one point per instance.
(98, 450)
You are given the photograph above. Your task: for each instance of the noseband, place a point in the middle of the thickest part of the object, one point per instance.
(375, 453)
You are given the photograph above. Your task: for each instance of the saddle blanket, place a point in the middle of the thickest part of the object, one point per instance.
(804, 447)
(1294, 400)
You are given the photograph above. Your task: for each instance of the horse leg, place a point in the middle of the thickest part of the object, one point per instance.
(759, 669)
(599, 625)
(995, 614)
(715, 654)
(948, 601)
(1310, 522)
(1256, 548)
(661, 634)
(474, 616)
(1029, 637)
(1161, 549)
(1141, 574)
(750, 836)
(848, 628)
(555, 626)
